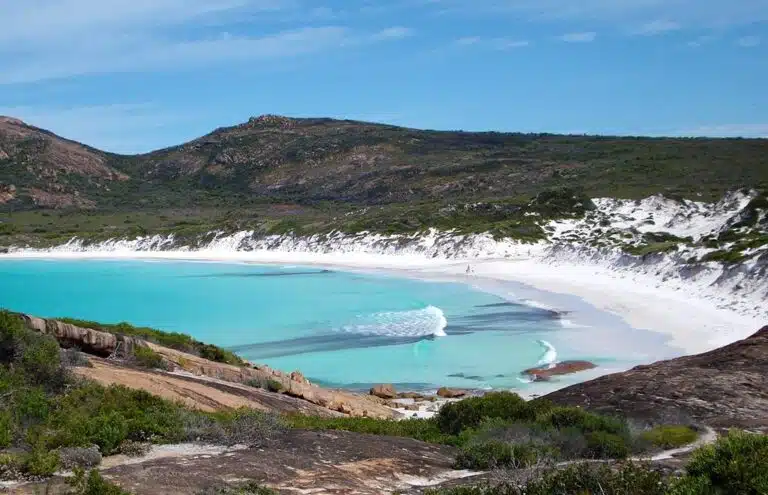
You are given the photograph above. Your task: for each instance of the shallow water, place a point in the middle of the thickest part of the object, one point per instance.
(342, 329)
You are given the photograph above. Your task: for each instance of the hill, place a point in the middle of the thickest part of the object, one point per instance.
(279, 159)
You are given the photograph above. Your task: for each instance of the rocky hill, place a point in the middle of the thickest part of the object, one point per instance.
(41, 170)
(723, 388)
(279, 159)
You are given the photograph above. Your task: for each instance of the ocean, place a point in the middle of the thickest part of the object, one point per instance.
(339, 329)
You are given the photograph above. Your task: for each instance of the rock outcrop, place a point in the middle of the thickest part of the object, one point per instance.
(450, 393)
(723, 388)
(296, 461)
(543, 373)
(95, 342)
(385, 391)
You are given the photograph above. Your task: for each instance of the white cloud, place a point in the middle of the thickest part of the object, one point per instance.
(468, 40)
(45, 39)
(658, 26)
(586, 37)
(506, 44)
(625, 13)
(748, 41)
(492, 43)
(727, 130)
(397, 32)
(701, 40)
(129, 54)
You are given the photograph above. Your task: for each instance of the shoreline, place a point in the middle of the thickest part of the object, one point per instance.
(689, 323)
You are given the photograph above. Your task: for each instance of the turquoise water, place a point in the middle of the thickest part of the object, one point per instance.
(338, 328)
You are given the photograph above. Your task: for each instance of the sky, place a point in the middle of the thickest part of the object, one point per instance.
(130, 76)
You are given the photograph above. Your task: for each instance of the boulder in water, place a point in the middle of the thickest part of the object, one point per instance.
(385, 391)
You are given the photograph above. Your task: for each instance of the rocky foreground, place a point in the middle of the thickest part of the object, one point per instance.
(724, 388)
(719, 389)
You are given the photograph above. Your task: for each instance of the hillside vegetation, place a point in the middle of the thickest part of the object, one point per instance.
(275, 174)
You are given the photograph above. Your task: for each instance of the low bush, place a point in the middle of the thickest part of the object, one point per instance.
(736, 463)
(578, 479)
(73, 358)
(603, 445)
(726, 257)
(421, 429)
(500, 455)
(93, 483)
(244, 427)
(670, 436)
(132, 448)
(41, 462)
(147, 358)
(469, 413)
(250, 488)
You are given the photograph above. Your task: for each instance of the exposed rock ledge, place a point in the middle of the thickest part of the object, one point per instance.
(723, 388)
(104, 344)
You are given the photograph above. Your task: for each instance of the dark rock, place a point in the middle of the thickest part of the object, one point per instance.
(385, 391)
(466, 377)
(296, 461)
(723, 388)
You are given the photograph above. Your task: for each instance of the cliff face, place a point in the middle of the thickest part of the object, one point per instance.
(90, 341)
(724, 388)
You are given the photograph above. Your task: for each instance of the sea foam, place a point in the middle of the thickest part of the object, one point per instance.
(426, 322)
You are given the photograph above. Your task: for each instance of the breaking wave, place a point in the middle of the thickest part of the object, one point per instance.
(427, 322)
(549, 358)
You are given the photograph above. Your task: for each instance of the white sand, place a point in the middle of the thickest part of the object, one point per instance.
(693, 325)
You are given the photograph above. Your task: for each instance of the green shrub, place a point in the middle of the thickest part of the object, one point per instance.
(727, 257)
(578, 479)
(603, 445)
(93, 484)
(421, 429)
(736, 463)
(469, 413)
(670, 436)
(496, 455)
(6, 429)
(41, 462)
(574, 417)
(147, 358)
(249, 488)
(274, 386)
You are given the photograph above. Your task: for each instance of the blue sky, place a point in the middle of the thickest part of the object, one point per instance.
(134, 75)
